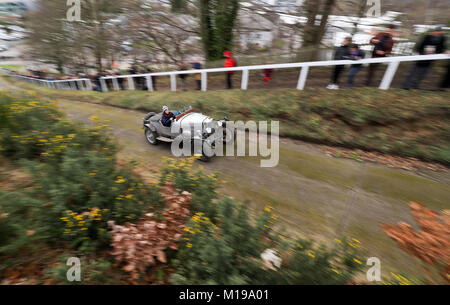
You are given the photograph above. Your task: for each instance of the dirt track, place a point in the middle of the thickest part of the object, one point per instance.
(314, 194)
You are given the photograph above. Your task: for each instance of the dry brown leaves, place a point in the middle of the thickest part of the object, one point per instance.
(430, 245)
(389, 160)
(142, 245)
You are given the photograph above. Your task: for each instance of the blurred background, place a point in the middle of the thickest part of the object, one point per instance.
(78, 179)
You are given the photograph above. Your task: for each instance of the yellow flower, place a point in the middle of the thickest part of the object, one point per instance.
(336, 271)
(355, 240)
(357, 261)
(92, 174)
(120, 180)
(311, 255)
(338, 241)
(189, 245)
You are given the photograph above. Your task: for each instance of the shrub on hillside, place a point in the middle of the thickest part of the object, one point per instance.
(223, 243)
(77, 186)
(228, 250)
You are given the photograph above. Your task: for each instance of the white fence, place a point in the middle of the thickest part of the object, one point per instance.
(85, 84)
(63, 84)
(393, 63)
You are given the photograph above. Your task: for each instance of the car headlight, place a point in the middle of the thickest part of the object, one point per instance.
(208, 130)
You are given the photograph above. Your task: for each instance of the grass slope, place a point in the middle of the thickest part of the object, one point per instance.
(405, 123)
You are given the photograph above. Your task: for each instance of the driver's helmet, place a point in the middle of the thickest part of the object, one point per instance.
(165, 108)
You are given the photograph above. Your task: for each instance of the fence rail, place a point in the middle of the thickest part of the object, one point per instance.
(63, 84)
(393, 63)
(83, 84)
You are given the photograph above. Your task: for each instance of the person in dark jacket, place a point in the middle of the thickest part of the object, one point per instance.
(383, 43)
(433, 43)
(341, 53)
(198, 77)
(355, 54)
(183, 67)
(167, 117)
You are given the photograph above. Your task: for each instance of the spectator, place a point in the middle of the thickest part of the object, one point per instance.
(149, 70)
(267, 74)
(198, 77)
(383, 43)
(340, 53)
(121, 81)
(183, 67)
(229, 63)
(355, 54)
(142, 81)
(433, 43)
(133, 69)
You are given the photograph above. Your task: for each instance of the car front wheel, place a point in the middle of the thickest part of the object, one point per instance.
(150, 136)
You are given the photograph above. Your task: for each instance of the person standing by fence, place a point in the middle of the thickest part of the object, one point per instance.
(383, 43)
(183, 67)
(355, 54)
(229, 63)
(198, 77)
(433, 43)
(340, 53)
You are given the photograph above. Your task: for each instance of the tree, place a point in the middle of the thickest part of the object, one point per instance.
(317, 12)
(56, 40)
(217, 21)
(160, 33)
(98, 28)
(50, 39)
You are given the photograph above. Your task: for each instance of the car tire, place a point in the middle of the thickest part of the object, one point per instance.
(151, 136)
(204, 158)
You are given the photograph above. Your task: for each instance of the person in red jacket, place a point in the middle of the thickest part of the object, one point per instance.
(229, 63)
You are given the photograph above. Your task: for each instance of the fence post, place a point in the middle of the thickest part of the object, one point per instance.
(80, 85)
(115, 84)
(204, 81)
(244, 83)
(173, 82)
(389, 75)
(130, 83)
(103, 85)
(149, 83)
(302, 78)
(88, 84)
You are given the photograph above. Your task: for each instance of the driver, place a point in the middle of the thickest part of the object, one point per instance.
(167, 117)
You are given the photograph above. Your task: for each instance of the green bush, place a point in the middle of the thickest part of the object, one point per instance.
(223, 242)
(227, 251)
(77, 186)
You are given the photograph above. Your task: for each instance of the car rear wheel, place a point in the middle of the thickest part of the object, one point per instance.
(204, 158)
(150, 136)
